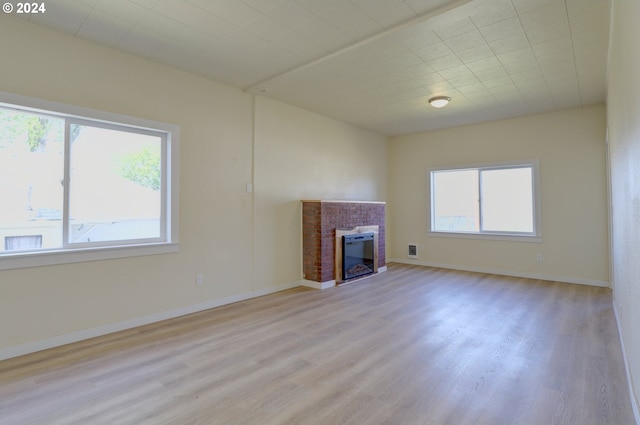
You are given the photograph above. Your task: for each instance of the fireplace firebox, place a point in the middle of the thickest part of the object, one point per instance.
(357, 255)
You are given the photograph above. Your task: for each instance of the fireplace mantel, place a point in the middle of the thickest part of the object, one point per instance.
(320, 219)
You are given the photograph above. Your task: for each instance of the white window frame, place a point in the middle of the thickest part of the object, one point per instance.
(75, 252)
(534, 236)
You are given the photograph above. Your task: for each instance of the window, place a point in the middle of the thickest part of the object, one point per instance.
(499, 200)
(74, 180)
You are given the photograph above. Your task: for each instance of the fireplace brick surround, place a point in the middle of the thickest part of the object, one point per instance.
(320, 219)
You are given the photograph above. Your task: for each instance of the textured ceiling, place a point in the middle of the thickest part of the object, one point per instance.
(371, 63)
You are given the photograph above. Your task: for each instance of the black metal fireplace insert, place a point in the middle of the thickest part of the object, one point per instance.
(357, 255)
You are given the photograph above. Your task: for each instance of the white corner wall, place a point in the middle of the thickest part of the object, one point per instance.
(623, 118)
(221, 224)
(302, 155)
(571, 148)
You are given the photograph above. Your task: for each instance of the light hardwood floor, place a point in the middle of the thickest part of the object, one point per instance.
(411, 346)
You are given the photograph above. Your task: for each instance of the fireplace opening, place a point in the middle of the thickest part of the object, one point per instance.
(357, 255)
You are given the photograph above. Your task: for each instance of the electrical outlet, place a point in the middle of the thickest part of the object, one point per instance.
(199, 280)
(539, 258)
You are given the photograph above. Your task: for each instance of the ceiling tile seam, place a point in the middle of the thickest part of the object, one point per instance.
(431, 14)
(544, 78)
(367, 15)
(153, 10)
(573, 53)
(462, 61)
(416, 15)
(75, 34)
(292, 30)
(498, 59)
(207, 12)
(318, 16)
(410, 7)
(574, 61)
(267, 9)
(537, 62)
(495, 56)
(326, 21)
(142, 4)
(152, 55)
(149, 55)
(134, 26)
(125, 36)
(110, 16)
(242, 27)
(195, 29)
(218, 16)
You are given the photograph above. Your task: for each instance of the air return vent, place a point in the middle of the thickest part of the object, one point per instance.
(413, 251)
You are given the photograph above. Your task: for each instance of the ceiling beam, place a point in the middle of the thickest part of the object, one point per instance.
(263, 86)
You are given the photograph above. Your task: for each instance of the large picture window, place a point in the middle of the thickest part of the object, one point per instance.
(491, 200)
(71, 183)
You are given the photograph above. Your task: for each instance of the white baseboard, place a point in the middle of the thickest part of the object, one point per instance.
(57, 341)
(32, 347)
(564, 279)
(634, 403)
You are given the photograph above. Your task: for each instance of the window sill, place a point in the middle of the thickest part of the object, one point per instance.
(48, 258)
(487, 236)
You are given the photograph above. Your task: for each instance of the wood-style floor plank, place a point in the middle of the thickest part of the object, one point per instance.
(414, 345)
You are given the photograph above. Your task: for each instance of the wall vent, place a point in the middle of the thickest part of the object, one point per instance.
(413, 251)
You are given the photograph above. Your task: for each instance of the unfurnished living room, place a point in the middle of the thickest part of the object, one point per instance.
(240, 212)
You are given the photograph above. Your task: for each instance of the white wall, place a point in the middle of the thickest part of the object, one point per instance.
(571, 148)
(48, 305)
(623, 117)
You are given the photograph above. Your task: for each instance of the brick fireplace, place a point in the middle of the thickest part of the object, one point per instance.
(320, 220)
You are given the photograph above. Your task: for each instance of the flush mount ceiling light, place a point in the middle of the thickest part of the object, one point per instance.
(439, 101)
